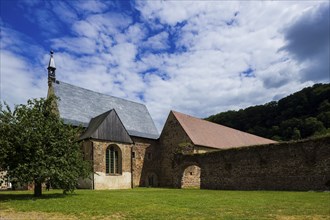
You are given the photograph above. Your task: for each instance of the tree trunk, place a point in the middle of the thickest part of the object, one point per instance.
(37, 189)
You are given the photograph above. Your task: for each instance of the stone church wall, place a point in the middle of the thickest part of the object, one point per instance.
(301, 165)
(105, 181)
(145, 161)
(171, 138)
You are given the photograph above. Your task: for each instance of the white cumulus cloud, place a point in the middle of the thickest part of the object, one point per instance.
(199, 58)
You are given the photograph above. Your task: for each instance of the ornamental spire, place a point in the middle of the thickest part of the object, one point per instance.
(51, 69)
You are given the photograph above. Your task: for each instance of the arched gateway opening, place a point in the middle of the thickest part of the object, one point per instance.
(191, 177)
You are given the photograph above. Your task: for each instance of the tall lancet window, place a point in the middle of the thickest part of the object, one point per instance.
(113, 160)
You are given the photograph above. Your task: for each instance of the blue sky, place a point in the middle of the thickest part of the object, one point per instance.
(196, 57)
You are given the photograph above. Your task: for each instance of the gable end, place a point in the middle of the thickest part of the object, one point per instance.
(108, 127)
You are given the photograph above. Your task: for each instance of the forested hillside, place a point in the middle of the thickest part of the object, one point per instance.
(301, 115)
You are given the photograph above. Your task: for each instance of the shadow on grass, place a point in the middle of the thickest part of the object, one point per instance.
(26, 195)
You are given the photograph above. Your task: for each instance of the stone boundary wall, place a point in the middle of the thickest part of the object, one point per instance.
(301, 165)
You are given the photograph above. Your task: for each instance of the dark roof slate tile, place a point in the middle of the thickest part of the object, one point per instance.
(77, 106)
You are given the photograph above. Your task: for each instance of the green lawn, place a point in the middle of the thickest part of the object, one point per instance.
(154, 203)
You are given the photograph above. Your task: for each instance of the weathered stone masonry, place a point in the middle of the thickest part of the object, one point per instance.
(140, 164)
(174, 140)
(94, 151)
(145, 162)
(301, 165)
(170, 139)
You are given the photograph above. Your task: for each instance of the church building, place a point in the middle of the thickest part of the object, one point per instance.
(124, 146)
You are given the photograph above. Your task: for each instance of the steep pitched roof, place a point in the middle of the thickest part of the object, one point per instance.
(78, 106)
(107, 126)
(208, 134)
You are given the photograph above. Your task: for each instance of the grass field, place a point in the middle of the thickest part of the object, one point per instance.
(153, 203)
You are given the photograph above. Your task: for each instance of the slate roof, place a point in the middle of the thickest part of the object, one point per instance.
(208, 134)
(77, 106)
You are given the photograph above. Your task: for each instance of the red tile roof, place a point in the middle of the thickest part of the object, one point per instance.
(208, 134)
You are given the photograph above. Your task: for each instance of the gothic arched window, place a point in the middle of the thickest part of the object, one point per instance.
(113, 160)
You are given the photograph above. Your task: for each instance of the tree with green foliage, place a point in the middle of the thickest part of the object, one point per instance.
(324, 117)
(312, 126)
(301, 115)
(36, 146)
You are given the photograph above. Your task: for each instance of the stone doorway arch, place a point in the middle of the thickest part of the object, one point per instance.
(191, 177)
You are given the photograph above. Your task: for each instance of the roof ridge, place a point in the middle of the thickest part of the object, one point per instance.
(58, 81)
